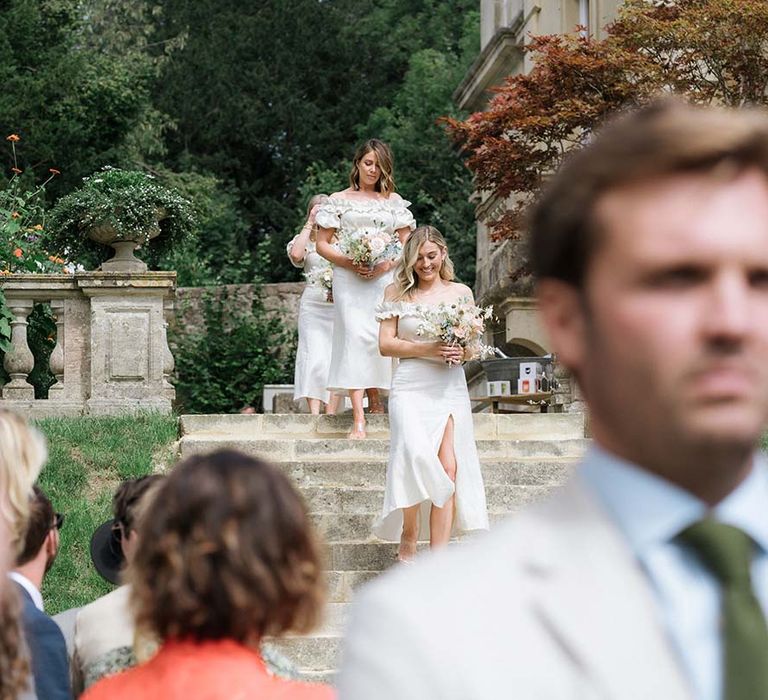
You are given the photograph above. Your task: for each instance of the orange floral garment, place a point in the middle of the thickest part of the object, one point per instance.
(210, 670)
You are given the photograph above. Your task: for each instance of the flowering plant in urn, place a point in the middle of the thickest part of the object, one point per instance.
(370, 246)
(458, 323)
(122, 208)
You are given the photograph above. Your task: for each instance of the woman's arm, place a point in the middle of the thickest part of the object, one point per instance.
(392, 346)
(324, 248)
(298, 250)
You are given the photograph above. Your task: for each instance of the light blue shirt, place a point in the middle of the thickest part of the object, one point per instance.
(651, 512)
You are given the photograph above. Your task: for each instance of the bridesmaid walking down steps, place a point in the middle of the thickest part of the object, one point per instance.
(368, 206)
(433, 483)
(313, 355)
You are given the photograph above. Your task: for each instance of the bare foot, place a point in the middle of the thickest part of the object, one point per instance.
(376, 408)
(406, 551)
(358, 431)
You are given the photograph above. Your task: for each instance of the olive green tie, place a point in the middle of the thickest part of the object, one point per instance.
(727, 552)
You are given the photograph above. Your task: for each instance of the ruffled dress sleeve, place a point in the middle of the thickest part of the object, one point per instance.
(402, 215)
(387, 309)
(329, 215)
(300, 265)
(390, 309)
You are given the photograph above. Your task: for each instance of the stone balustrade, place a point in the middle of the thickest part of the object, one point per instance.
(111, 354)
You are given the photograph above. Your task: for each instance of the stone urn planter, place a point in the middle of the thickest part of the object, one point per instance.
(124, 245)
(124, 209)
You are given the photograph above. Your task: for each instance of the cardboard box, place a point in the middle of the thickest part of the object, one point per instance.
(526, 386)
(530, 370)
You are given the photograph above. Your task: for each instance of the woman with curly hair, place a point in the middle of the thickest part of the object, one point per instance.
(227, 557)
(22, 455)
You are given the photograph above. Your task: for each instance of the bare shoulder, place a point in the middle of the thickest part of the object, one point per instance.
(390, 292)
(462, 290)
(341, 194)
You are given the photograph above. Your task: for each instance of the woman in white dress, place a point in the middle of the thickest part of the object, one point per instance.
(433, 477)
(369, 201)
(313, 355)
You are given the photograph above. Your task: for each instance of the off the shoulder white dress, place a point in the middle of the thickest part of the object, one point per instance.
(313, 355)
(424, 394)
(355, 359)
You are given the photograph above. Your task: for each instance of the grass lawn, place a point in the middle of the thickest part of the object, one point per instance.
(88, 458)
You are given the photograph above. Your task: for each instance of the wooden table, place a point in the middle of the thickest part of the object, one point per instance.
(541, 399)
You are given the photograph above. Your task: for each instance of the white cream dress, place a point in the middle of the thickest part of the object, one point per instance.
(425, 393)
(313, 354)
(355, 359)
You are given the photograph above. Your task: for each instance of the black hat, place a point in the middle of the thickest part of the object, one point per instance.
(107, 551)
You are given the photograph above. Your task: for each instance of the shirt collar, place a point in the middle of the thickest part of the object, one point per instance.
(650, 510)
(29, 587)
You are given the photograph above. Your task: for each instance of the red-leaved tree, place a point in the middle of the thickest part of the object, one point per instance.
(707, 50)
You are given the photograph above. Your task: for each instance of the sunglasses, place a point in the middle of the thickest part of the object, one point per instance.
(58, 521)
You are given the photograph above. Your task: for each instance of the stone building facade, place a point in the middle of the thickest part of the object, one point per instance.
(505, 25)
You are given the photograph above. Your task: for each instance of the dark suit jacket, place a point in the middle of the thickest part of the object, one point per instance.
(50, 664)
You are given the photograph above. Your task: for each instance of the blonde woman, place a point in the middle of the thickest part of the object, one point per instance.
(22, 455)
(433, 476)
(369, 201)
(313, 355)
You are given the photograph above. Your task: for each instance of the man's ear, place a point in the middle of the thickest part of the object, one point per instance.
(562, 313)
(52, 542)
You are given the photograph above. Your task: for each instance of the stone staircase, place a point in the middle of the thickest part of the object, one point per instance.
(342, 481)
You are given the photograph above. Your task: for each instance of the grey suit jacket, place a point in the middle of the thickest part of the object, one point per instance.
(551, 604)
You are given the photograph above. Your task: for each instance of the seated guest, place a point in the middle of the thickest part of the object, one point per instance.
(227, 557)
(48, 651)
(22, 454)
(105, 640)
(104, 630)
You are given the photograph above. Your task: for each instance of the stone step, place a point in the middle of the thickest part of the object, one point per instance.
(331, 500)
(358, 527)
(346, 473)
(288, 449)
(312, 655)
(521, 426)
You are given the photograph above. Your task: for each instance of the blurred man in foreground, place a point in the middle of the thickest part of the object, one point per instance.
(646, 575)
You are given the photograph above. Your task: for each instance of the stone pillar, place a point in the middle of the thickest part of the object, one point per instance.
(168, 363)
(56, 390)
(128, 340)
(19, 360)
(521, 320)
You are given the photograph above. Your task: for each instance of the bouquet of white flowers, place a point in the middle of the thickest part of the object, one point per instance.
(458, 323)
(370, 246)
(322, 278)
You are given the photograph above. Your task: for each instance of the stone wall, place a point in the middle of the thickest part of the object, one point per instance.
(282, 298)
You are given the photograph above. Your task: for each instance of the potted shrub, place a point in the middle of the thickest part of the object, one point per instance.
(124, 209)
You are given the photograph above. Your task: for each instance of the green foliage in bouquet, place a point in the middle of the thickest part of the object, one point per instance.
(131, 202)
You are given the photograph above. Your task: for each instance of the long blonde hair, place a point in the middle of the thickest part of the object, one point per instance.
(405, 278)
(22, 454)
(385, 161)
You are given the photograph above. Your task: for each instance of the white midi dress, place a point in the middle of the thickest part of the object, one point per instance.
(355, 359)
(425, 394)
(313, 354)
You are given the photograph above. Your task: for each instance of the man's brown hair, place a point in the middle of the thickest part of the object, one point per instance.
(667, 137)
(227, 552)
(127, 498)
(41, 516)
